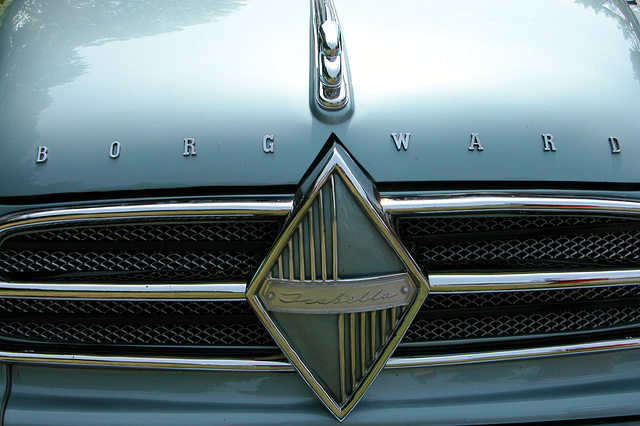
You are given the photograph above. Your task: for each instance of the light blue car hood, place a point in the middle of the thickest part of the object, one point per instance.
(75, 76)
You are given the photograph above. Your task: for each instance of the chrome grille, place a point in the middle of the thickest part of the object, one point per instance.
(207, 250)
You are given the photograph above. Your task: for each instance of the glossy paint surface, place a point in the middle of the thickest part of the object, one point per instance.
(563, 387)
(77, 76)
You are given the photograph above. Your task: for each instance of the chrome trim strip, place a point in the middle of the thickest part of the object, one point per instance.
(439, 283)
(483, 203)
(208, 291)
(509, 355)
(221, 364)
(277, 364)
(275, 208)
(334, 231)
(471, 283)
(323, 238)
(342, 360)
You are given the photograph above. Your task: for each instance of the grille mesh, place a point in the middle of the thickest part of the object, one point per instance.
(520, 242)
(481, 326)
(141, 334)
(124, 307)
(246, 231)
(191, 264)
(198, 251)
(434, 225)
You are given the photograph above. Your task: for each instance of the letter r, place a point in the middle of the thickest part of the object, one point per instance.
(549, 145)
(189, 147)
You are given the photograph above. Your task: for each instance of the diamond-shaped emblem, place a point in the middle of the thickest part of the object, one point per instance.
(338, 290)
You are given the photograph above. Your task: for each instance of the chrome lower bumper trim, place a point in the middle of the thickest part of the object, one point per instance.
(281, 365)
(431, 361)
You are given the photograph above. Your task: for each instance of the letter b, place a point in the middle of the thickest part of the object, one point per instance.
(43, 154)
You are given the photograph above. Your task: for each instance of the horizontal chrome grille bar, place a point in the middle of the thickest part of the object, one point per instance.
(439, 283)
(280, 207)
(470, 283)
(210, 291)
(276, 208)
(280, 365)
(482, 203)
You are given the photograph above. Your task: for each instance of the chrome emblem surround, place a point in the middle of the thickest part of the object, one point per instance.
(338, 290)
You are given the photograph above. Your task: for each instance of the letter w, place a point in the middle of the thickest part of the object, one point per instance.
(401, 139)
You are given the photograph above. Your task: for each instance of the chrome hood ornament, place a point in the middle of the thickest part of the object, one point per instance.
(331, 80)
(337, 291)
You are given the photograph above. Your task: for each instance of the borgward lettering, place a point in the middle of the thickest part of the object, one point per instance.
(400, 140)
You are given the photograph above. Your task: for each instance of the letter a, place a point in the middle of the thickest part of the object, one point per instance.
(401, 140)
(475, 142)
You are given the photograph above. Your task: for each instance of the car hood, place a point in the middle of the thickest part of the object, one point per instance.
(78, 75)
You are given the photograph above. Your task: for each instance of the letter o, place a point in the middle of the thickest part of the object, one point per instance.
(114, 150)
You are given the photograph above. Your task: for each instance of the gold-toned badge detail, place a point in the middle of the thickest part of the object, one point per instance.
(338, 297)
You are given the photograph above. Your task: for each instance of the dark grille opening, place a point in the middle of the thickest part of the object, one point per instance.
(520, 325)
(520, 243)
(533, 313)
(148, 252)
(134, 334)
(182, 324)
(124, 307)
(444, 319)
